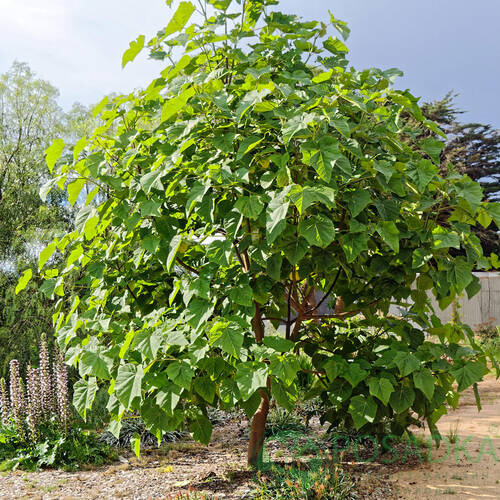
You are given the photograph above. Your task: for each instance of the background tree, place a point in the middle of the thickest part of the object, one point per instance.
(256, 170)
(30, 119)
(474, 150)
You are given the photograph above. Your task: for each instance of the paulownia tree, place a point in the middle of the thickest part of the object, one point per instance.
(258, 173)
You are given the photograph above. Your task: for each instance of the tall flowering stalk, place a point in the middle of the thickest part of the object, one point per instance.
(17, 397)
(4, 403)
(61, 385)
(46, 393)
(34, 410)
(41, 400)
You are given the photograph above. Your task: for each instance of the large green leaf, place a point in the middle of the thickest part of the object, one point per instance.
(23, 280)
(493, 210)
(282, 395)
(250, 99)
(402, 398)
(358, 201)
(433, 148)
(220, 252)
(470, 191)
(277, 343)
(353, 245)
(318, 230)
(273, 266)
(84, 392)
(242, 295)
(180, 18)
(469, 374)
(198, 312)
(334, 45)
(152, 180)
(362, 410)
(389, 233)
(74, 188)
(249, 206)
(168, 398)
(354, 374)
(295, 250)
(422, 173)
(406, 362)
(284, 367)
(180, 373)
(250, 376)
(205, 387)
(304, 196)
(296, 124)
(461, 274)
(148, 342)
(276, 217)
(340, 26)
(175, 243)
(247, 144)
(424, 380)
(96, 363)
(128, 386)
(175, 104)
(201, 429)
(46, 254)
(325, 156)
(444, 238)
(157, 421)
(381, 388)
(131, 53)
(54, 152)
(230, 340)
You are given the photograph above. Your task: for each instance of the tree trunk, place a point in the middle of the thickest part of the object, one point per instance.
(258, 430)
(258, 427)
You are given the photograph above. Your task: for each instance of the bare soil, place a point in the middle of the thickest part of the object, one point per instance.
(469, 467)
(220, 471)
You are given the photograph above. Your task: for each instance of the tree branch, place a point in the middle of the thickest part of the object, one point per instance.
(330, 290)
(187, 267)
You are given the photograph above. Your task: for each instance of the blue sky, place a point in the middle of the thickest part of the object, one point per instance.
(439, 44)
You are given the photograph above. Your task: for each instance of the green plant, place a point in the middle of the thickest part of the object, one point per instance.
(487, 330)
(262, 179)
(133, 425)
(69, 450)
(453, 432)
(324, 480)
(280, 419)
(36, 429)
(32, 404)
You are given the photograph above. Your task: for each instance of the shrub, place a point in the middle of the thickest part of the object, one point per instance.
(35, 428)
(54, 448)
(280, 420)
(40, 400)
(322, 480)
(487, 330)
(134, 426)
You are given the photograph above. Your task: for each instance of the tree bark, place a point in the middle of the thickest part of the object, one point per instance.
(258, 430)
(258, 427)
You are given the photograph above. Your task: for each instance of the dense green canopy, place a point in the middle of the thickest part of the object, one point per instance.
(258, 169)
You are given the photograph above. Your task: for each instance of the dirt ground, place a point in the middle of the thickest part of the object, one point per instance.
(469, 467)
(220, 468)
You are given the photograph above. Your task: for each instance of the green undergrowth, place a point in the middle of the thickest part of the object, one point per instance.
(71, 451)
